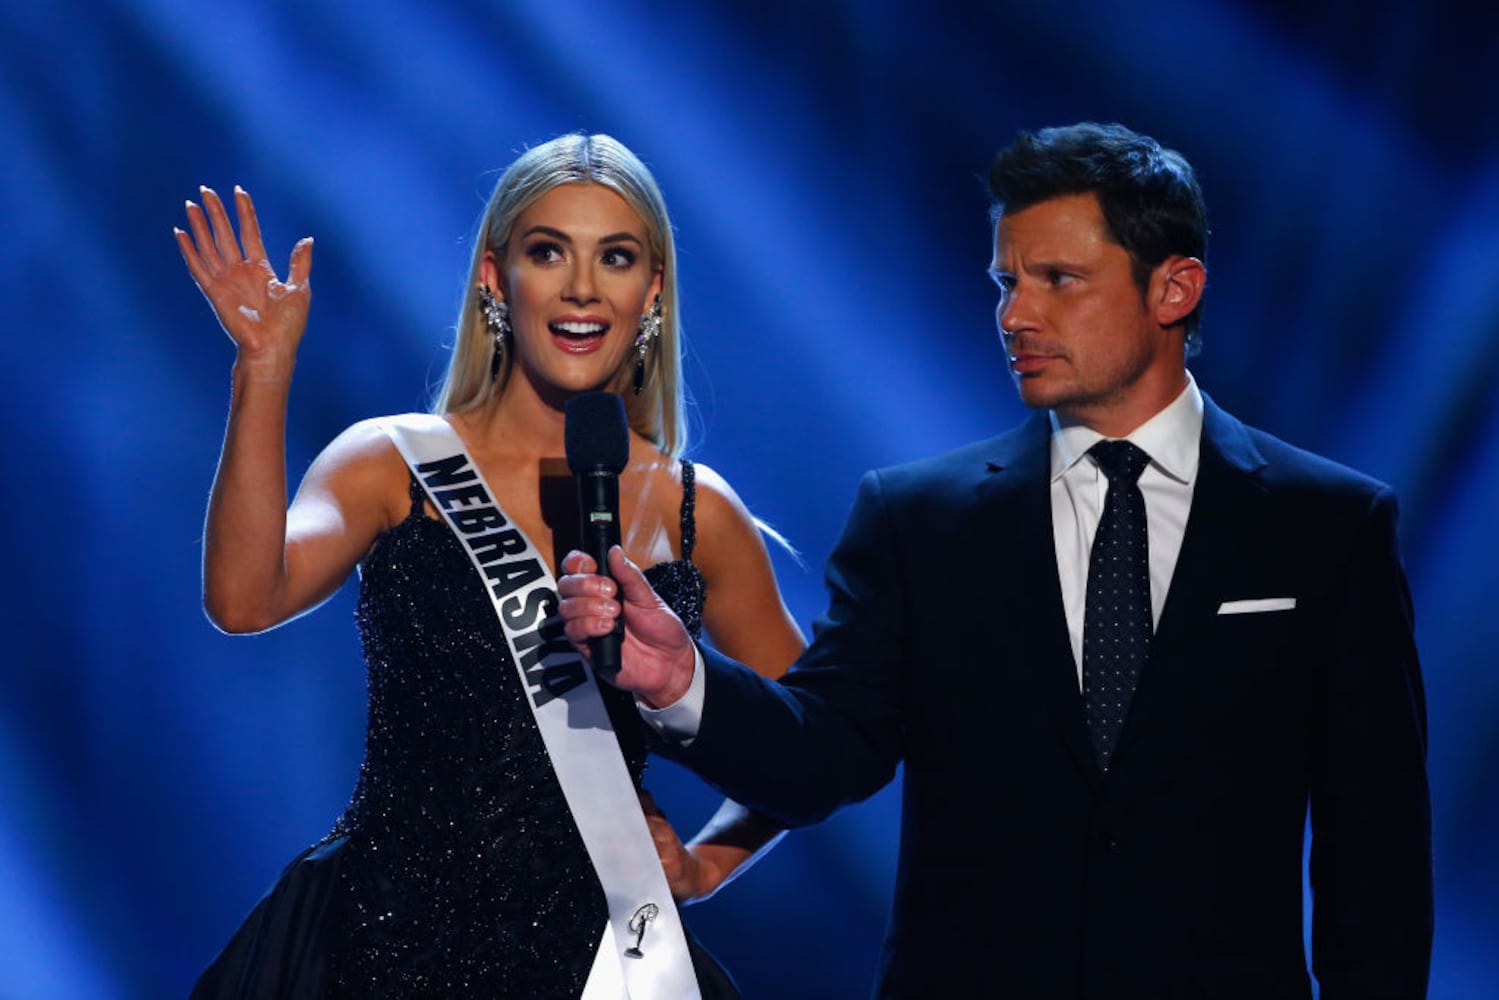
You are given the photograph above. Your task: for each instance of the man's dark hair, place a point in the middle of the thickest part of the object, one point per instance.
(1151, 203)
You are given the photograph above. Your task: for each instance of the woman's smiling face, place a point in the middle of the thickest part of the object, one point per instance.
(578, 275)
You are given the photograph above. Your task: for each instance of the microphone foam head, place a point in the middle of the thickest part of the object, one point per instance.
(596, 433)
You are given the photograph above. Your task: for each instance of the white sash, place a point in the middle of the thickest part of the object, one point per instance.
(643, 951)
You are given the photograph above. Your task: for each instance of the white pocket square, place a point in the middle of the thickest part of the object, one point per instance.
(1255, 606)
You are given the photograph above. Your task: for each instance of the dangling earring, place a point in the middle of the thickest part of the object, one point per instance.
(650, 329)
(497, 319)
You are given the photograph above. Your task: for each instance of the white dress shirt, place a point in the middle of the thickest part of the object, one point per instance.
(1171, 438)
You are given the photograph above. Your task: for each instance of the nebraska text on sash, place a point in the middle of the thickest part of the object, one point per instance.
(517, 578)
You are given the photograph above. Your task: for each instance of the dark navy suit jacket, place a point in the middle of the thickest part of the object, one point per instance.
(1024, 870)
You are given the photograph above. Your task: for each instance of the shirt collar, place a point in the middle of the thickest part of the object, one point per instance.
(1171, 438)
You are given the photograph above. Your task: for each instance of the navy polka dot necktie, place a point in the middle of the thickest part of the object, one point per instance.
(1116, 617)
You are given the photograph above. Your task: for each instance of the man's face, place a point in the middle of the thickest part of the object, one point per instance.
(1080, 336)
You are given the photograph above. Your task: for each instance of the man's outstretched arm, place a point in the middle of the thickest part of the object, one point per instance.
(829, 733)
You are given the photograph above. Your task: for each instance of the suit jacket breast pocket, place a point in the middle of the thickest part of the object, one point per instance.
(1255, 641)
(1252, 673)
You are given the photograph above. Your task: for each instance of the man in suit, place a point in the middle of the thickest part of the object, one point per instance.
(1119, 677)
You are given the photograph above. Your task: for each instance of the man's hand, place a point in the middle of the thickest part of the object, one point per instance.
(656, 654)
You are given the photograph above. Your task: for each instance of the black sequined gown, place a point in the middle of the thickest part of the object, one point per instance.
(456, 870)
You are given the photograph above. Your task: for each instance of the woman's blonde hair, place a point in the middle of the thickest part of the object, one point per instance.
(658, 413)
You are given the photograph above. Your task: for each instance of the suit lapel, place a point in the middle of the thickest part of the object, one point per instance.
(1015, 495)
(1227, 481)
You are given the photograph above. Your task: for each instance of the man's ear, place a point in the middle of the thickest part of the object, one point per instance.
(1177, 288)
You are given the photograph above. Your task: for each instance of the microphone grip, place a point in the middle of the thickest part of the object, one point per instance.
(598, 507)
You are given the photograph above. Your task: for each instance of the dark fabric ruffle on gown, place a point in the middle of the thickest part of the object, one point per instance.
(281, 949)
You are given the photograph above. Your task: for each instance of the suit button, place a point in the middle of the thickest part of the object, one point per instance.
(1106, 837)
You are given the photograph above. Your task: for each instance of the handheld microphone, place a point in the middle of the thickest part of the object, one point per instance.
(598, 448)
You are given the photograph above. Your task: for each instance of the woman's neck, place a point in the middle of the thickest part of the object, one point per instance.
(518, 423)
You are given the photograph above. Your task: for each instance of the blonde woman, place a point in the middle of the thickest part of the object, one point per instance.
(460, 865)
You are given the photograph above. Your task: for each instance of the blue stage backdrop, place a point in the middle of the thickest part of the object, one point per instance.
(822, 162)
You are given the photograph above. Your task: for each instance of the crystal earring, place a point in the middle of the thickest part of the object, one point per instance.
(650, 330)
(497, 319)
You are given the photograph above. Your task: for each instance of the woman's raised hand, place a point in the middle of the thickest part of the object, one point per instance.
(262, 314)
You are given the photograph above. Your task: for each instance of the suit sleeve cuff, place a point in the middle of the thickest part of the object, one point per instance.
(679, 722)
